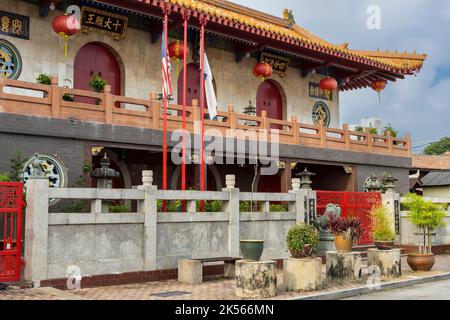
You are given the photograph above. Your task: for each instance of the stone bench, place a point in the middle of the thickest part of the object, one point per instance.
(190, 271)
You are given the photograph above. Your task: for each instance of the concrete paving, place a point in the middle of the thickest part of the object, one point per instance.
(428, 291)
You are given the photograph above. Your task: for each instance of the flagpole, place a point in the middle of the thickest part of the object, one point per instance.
(202, 111)
(166, 21)
(183, 164)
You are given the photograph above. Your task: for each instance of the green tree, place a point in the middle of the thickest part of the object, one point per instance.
(16, 166)
(438, 148)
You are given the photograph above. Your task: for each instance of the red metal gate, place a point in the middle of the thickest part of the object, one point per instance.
(11, 204)
(353, 204)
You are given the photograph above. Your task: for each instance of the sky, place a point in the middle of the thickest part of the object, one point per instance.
(418, 104)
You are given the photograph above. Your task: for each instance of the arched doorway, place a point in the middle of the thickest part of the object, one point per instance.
(268, 98)
(193, 85)
(95, 58)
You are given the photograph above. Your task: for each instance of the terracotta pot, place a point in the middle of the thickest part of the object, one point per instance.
(421, 262)
(343, 244)
(385, 245)
(252, 249)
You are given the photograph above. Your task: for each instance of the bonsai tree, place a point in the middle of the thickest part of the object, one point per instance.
(44, 79)
(302, 240)
(97, 83)
(349, 227)
(426, 216)
(382, 223)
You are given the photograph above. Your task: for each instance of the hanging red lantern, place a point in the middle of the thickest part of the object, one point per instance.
(378, 86)
(176, 50)
(262, 70)
(328, 85)
(66, 26)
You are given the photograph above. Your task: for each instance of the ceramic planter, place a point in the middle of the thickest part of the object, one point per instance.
(252, 249)
(343, 244)
(385, 245)
(421, 262)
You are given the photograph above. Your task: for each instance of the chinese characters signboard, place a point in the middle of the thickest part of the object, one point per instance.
(104, 22)
(316, 92)
(279, 64)
(14, 25)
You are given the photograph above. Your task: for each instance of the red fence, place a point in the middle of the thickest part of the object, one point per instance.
(11, 204)
(353, 204)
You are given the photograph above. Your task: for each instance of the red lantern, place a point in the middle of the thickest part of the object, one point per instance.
(176, 50)
(66, 26)
(262, 70)
(378, 86)
(328, 85)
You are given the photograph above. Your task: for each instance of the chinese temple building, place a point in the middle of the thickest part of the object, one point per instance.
(75, 122)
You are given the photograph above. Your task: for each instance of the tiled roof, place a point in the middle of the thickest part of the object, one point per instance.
(402, 62)
(431, 162)
(436, 179)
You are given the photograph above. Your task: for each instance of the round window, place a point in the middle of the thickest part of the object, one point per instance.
(10, 60)
(321, 112)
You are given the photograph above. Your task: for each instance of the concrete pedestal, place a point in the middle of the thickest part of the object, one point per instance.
(388, 262)
(326, 243)
(302, 274)
(344, 267)
(190, 271)
(256, 279)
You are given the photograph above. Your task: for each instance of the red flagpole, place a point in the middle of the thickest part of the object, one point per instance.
(166, 21)
(202, 111)
(183, 164)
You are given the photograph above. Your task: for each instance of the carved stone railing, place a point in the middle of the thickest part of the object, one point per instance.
(51, 101)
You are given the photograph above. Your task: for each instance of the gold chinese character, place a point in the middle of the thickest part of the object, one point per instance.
(17, 26)
(90, 20)
(5, 24)
(108, 24)
(99, 21)
(117, 25)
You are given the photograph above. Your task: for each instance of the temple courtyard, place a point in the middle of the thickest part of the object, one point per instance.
(418, 285)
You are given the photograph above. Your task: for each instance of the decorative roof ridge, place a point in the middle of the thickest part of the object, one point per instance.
(392, 54)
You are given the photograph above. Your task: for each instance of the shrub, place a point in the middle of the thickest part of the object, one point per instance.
(97, 83)
(4, 177)
(302, 239)
(349, 227)
(278, 208)
(382, 223)
(119, 208)
(44, 79)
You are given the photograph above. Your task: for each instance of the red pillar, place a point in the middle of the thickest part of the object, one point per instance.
(202, 107)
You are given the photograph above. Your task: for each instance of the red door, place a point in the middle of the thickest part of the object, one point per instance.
(268, 98)
(193, 85)
(91, 59)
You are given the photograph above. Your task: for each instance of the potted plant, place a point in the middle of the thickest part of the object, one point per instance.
(44, 79)
(382, 228)
(389, 130)
(426, 216)
(97, 83)
(346, 231)
(302, 272)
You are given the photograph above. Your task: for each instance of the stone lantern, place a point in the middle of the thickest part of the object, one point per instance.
(373, 184)
(305, 179)
(104, 175)
(250, 110)
(389, 183)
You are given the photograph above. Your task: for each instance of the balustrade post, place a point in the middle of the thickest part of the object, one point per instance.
(150, 210)
(265, 125)
(55, 97)
(231, 207)
(156, 110)
(390, 142)
(299, 204)
(369, 140)
(108, 104)
(346, 136)
(322, 133)
(295, 131)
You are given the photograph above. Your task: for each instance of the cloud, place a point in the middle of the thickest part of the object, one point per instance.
(419, 105)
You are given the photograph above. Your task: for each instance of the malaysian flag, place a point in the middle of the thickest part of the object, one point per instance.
(166, 67)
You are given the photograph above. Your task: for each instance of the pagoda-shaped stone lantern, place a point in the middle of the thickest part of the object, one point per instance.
(373, 184)
(250, 110)
(305, 179)
(389, 183)
(104, 176)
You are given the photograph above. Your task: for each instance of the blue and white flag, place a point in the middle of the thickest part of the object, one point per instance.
(209, 91)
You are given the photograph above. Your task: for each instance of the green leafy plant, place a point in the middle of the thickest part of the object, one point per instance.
(17, 162)
(426, 216)
(302, 239)
(87, 167)
(438, 148)
(278, 207)
(97, 83)
(4, 177)
(119, 208)
(389, 128)
(373, 131)
(348, 227)
(359, 129)
(382, 223)
(44, 79)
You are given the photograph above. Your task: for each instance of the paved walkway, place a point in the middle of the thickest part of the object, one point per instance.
(428, 291)
(213, 289)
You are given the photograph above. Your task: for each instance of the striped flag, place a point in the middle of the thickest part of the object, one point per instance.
(166, 67)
